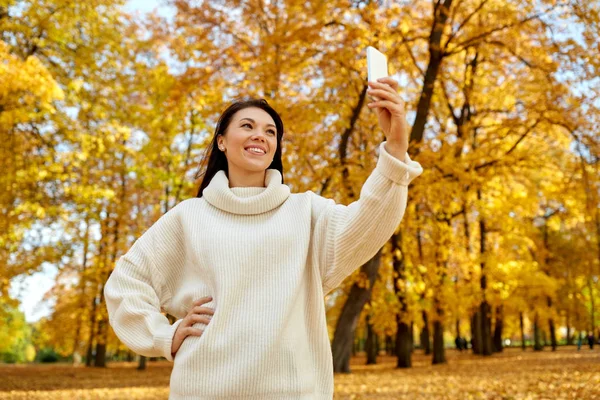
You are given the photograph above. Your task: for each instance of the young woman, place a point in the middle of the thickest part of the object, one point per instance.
(245, 265)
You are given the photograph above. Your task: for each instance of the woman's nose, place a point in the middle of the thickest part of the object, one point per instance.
(259, 136)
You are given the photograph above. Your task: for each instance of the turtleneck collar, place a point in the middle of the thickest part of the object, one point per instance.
(246, 200)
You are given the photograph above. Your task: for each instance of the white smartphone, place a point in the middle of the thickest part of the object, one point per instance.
(376, 65)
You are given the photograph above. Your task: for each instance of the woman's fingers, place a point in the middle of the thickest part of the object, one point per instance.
(203, 300)
(193, 332)
(390, 81)
(195, 318)
(202, 310)
(383, 86)
(394, 108)
(382, 95)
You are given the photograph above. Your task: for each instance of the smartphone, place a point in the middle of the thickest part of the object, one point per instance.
(376, 65)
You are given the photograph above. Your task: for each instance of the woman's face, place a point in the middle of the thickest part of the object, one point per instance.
(250, 141)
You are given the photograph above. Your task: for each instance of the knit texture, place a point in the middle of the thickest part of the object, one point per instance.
(267, 257)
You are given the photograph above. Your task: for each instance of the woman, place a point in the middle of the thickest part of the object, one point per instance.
(245, 265)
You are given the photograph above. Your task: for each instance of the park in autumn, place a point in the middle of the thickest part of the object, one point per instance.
(489, 287)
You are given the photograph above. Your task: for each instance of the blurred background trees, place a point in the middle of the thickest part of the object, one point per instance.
(104, 116)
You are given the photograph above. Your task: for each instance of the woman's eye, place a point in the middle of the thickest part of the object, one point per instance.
(247, 125)
(271, 132)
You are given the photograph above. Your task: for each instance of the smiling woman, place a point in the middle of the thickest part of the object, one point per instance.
(244, 266)
(247, 142)
(249, 146)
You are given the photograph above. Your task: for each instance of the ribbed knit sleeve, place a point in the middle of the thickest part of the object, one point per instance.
(345, 237)
(137, 289)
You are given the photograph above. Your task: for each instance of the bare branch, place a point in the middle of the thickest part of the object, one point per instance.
(464, 22)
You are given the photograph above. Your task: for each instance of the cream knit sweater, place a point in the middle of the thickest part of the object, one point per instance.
(267, 258)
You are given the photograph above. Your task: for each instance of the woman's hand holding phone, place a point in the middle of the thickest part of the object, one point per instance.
(392, 119)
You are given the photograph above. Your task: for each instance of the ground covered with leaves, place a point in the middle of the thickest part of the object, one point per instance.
(513, 374)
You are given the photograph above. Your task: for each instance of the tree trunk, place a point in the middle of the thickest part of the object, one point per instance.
(81, 288)
(436, 55)
(371, 344)
(389, 346)
(412, 336)
(486, 334)
(90, 348)
(476, 338)
(553, 341)
(548, 298)
(537, 334)
(100, 360)
(457, 328)
(484, 308)
(141, 363)
(403, 346)
(439, 355)
(425, 336)
(523, 345)
(498, 330)
(103, 323)
(341, 346)
(403, 336)
(94, 320)
(592, 306)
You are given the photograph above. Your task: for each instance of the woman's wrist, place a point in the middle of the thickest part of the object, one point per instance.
(396, 150)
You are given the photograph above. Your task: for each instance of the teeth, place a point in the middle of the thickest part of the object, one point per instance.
(257, 151)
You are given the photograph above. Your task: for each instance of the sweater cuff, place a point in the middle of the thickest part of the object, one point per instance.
(163, 339)
(395, 170)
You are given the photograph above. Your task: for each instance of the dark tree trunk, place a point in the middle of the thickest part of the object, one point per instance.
(436, 54)
(129, 356)
(389, 346)
(457, 328)
(403, 346)
(439, 355)
(425, 336)
(100, 360)
(90, 348)
(484, 309)
(486, 334)
(98, 296)
(476, 334)
(141, 363)
(371, 345)
(341, 346)
(522, 325)
(412, 336)
(537, 334)
(498, 330)
(81, 287)
(403, 337)
(548, 298)
(551, 326)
